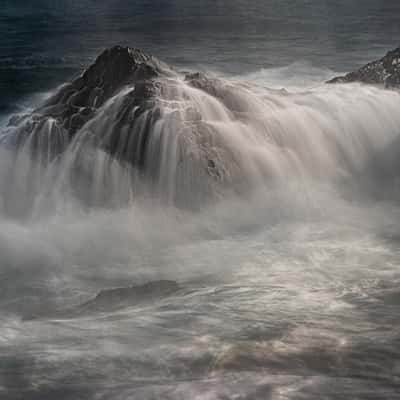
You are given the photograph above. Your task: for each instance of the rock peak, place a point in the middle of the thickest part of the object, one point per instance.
(117, 66)
(76, 102)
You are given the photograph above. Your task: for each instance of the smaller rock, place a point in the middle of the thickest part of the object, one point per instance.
(110, 300)
(385, 71)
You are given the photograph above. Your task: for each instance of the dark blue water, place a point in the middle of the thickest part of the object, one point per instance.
(44, 42)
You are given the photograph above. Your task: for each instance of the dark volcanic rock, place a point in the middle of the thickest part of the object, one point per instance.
(46, 133)
(385, 71)
(49, 129)
(114, 121)
(76, 102)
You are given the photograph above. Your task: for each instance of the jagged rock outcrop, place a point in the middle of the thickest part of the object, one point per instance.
(115, 119)
(385, 71)
(76, 102)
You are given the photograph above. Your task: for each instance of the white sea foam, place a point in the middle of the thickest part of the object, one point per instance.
(260, 202)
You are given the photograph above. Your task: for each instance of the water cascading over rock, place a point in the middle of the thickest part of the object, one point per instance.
(130, 128)
(111, 131)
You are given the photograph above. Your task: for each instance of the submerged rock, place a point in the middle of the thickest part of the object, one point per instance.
(385, 71)
(110, 300)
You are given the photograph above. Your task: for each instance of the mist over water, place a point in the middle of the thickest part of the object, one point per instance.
(272, 201)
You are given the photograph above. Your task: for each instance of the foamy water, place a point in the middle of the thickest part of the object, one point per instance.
(274, 205)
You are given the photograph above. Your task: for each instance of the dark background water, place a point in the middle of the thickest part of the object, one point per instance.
(43, 42)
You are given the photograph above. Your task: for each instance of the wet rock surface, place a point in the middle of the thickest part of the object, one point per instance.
(76, 102)
(385, 71)
(46, 133)
(201, 81)
(119, 109)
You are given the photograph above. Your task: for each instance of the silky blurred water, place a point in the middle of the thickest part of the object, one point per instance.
(290, 291)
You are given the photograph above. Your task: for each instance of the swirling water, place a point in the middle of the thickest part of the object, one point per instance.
(286, 252)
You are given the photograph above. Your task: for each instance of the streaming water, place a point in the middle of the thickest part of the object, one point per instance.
(274, 206)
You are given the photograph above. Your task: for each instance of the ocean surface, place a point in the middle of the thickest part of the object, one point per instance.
(285, 286)
(45, 42)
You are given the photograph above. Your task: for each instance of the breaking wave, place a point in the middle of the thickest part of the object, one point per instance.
(194, 145)
(224, 236)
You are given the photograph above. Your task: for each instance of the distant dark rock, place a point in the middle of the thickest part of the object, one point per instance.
(385, 71)
(110, 300)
